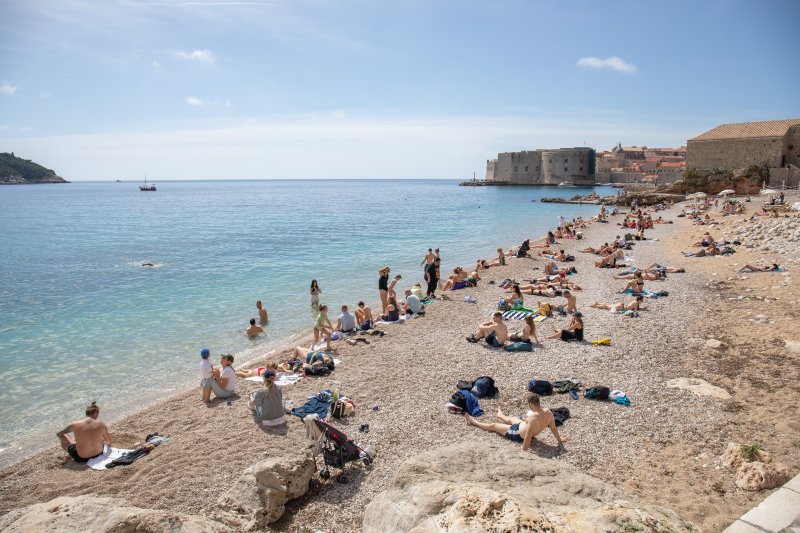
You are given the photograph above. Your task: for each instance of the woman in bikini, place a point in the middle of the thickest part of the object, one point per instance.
(621, 307)
(383, 286)
(323, 327)
(315, 292)
(636, 285)
(574, 331)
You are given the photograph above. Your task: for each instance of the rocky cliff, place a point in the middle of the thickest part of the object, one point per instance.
(15, 170)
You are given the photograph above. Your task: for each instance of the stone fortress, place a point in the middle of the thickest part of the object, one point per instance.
(572, 166)
(774, 144)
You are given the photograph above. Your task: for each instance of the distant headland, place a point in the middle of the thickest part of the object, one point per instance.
(15, 170)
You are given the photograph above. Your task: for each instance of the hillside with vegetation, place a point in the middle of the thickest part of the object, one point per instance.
(15, 170)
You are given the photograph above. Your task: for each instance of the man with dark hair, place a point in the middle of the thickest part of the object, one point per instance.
(254, 330)
(495, 332)
(518, 430)
(89, 436)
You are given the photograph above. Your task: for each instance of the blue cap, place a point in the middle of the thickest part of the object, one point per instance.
(268, 374)
(205, 352)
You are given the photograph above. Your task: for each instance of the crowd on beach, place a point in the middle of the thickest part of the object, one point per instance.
(550, 290)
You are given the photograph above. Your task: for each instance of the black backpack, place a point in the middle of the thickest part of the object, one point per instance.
(317, 370)
(597, 393)
(540, 387)
(459, 401)
(463, 384)
(560, 415)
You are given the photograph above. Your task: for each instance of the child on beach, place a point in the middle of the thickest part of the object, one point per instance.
(206, 374)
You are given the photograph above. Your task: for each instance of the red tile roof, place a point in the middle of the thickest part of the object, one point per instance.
(744, 130)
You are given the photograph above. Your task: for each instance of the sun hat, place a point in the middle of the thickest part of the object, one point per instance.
(205, 352)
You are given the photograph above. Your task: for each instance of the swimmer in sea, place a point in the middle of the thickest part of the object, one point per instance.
(148, 265)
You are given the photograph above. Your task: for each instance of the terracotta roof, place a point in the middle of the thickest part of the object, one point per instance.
(743, 130)
(671, 165)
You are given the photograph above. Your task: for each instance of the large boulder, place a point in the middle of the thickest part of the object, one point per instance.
(493, 487)
(258, 497)
(91, 514)
(755, 469)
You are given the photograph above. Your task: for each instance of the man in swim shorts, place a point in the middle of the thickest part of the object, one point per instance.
(89, 436)
(518, 430)
(263, 316)
(496, 332)
(254, 330)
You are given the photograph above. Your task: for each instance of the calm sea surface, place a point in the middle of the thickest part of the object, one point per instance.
(81, 320)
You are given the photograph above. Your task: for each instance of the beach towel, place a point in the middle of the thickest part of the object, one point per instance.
(602, 342)
(284, 379)
(428, 301)
(518, 314)
(647, 293)
(748, 271)
(319, 404)
(109, 454)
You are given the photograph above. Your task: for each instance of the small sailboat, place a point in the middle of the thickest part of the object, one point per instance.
(146, 187)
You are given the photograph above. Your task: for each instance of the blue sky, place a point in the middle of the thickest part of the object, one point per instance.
(110, 89)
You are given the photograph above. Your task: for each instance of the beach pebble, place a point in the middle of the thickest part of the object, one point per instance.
(713, 343)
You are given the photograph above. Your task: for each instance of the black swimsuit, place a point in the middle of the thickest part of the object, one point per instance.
(383, 283)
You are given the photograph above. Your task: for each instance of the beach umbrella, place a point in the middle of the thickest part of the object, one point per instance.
(769, 191)
(727, 192)
(696, 196)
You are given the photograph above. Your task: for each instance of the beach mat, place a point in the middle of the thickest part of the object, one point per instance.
(109, 454)
(284, 380)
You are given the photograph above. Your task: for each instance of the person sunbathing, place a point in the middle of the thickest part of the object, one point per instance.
(712, 250)
(267, 403)
(495, 332)
(528, 331)
(748, 267)
(620, 307)
(662, 268)
(648, 275)
(574, 330)
(501, 259)
(610, 261)
(517, 300)
(636, 285)
(301, 358)
(551, 268)
(518, 430)
(572, 302)
(707, 240)
(258, 371)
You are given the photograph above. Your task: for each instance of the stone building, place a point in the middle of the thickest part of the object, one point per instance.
(773, 143)
(575, 166)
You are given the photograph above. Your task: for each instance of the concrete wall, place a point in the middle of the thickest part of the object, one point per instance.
(735, 153)
(619, 177)
(521, 168)
(543, 167)
(491, 165)
(791, 147)
(790, 176)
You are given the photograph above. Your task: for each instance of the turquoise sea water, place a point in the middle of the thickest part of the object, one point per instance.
(81, 320)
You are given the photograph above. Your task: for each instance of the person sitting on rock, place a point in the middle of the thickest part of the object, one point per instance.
(518, 430)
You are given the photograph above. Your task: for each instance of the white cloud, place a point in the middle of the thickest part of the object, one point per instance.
(157, 65)
(8, 89)
(609, 63)
(192, 100)
(204, 56)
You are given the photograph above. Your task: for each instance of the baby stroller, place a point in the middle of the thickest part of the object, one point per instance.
(338, 450)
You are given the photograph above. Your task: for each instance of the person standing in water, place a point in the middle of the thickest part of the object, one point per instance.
(315, 292)
(262, 313)
(383, 287)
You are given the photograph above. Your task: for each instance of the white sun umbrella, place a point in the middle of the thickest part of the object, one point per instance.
(696, 196)
(769, 191)
(726, 192)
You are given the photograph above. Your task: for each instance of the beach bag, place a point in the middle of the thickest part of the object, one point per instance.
(564, 386)
(560, 415)
(598, 393)
(605, 341)
(541, 387)
(544, 309)
(484, 388)
(503, 306)
(458, 401)
(521, 346)
(463, 384)
(317, 370)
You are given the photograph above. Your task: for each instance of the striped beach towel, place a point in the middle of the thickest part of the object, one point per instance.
(518, 314)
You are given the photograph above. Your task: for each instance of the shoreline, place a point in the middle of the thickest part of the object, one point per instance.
(632, 448)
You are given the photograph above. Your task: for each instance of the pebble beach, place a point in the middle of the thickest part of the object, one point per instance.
(663, 448)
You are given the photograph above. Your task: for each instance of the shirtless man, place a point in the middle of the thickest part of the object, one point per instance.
(496, 332)
(262, 313)
(363, 313)
(89, 436)
(524, 431)
(572, 302)
(429, 257)
(254, 330)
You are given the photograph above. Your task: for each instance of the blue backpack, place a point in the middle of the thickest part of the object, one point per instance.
(540, 387)
(484, 388)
